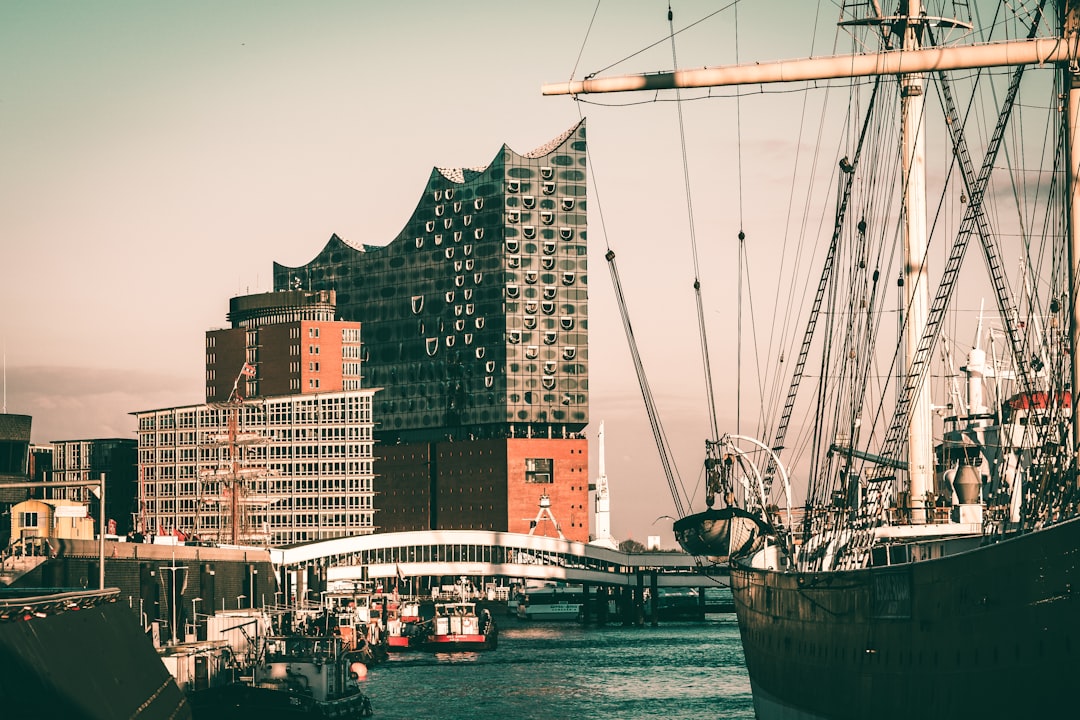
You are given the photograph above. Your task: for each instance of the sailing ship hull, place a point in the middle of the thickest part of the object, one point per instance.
(81, 655)
(992, 631)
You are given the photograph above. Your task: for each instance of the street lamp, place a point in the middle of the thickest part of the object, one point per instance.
(195, 617)
(173, 630)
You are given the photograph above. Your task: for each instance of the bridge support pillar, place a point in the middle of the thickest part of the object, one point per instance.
(702, 605)
(602, 605)
(639, 600)
(626, 605)
(585, 603)
(654, 598)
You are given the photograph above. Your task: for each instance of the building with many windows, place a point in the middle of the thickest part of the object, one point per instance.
(475, 325)
(290, 341)
(270, 470)
(115, 458)
(282, 450)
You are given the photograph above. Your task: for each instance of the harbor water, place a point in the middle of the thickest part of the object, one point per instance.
(542, 671)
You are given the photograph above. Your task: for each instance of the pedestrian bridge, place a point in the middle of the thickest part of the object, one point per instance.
(488, 554)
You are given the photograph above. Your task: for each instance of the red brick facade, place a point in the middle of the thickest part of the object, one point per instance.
(484, 485)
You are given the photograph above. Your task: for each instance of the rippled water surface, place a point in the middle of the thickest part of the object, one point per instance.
(564, 670)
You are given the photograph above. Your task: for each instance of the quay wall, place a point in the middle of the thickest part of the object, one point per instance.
(164, 585)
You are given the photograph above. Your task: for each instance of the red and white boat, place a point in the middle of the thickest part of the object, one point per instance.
(403, 631)
(457, 626)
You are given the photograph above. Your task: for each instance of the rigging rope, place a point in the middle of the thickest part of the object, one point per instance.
(707, 365)
(663, 446)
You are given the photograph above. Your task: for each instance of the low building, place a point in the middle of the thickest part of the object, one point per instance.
(52, 520)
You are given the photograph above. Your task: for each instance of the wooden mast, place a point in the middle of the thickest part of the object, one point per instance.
(1070, 24)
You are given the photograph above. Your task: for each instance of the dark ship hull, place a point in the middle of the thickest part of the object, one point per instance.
(241, 700)
(81, 655)
(989, 632)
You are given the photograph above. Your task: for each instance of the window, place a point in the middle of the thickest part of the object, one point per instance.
(28, 519)
(538, 470)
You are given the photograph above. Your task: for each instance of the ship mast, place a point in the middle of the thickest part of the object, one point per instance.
(912, 137)
(909, 62)
(1070, 24)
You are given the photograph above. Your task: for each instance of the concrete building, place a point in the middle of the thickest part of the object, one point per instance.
(292, 342)
(269, 470)
(475, 325)
(14, 466)
(115, 458)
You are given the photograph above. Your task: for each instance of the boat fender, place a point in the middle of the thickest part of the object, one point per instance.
(800, 580)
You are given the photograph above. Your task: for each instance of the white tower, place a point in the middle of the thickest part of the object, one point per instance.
(603, 502)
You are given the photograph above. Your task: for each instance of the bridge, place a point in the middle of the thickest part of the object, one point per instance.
(485, 556)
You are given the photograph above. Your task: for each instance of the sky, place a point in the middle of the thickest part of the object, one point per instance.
(156, 159)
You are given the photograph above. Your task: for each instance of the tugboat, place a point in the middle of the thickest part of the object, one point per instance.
(297, 676)
(402, 625)
(457, 626)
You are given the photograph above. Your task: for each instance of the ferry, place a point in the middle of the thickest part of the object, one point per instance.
(551, 603)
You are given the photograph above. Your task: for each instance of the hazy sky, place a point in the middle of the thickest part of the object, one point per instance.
(157, 157)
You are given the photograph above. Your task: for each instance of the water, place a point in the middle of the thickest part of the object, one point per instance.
(542, 671)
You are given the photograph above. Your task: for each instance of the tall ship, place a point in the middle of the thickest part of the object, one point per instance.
(929, 569)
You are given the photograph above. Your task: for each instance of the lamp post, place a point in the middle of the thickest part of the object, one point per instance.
(195, 617)
(173, 630)
(238, 599)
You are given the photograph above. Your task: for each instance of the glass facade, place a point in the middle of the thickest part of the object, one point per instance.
(475, 316)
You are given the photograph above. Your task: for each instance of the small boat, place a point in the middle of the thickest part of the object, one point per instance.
(550, 603)
(457, 626)
(297, 676)
(403, 630)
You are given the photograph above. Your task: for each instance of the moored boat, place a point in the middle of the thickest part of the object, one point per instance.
(403, 630)
(296, 676)
(457, 626)
(80, 655)
(551, 603)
